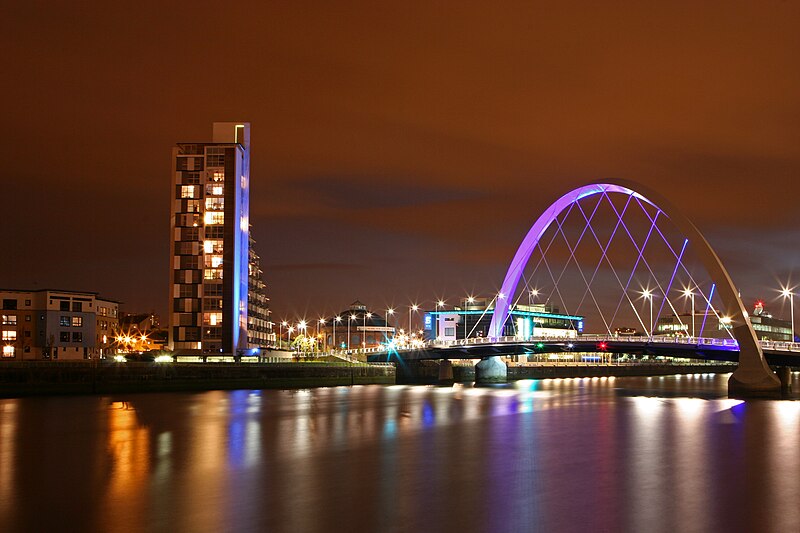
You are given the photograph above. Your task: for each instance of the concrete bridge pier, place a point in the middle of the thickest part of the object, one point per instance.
(785, 375)
(753, 376)
(491, 370)
(446, 372)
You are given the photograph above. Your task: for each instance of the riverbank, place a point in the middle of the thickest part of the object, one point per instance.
(46, 378)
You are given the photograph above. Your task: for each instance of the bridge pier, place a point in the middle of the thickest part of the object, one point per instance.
(752, 377)
(446, 372)
(491, 370)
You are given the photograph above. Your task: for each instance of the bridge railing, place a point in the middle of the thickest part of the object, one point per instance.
(634, 339)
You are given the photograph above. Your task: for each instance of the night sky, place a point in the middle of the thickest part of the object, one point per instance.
(400, 150)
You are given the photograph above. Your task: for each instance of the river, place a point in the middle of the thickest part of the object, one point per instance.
(603, 454)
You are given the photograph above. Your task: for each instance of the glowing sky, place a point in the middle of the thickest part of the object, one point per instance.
(401, 150)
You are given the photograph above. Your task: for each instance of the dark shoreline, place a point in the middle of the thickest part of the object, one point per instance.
(54, 378)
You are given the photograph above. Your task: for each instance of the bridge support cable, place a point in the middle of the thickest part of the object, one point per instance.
(685, 270)
(577, 265)
(603, 252)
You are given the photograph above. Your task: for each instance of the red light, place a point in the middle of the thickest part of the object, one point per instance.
(602, 346)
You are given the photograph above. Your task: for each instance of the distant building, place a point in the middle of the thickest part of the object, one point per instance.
(259, 323)
(49, 324)
(140, 332)
(473, 317)
(769, 328)
(210, 243)
(355, 327)
(707, 324)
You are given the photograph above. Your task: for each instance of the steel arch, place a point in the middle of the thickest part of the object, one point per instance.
(752, 374)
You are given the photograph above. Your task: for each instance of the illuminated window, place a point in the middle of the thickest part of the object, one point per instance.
(9, 320)
(213, 261)
(188, 191)
(215, 190)
(212, 319)
(77, 321)
(218, 176)
(215, 204)
(213, 273)
(9, 335)
(8, 351)
(64, 321)
(213, 247)
(215, 217)
(244, 182)
(193, 206)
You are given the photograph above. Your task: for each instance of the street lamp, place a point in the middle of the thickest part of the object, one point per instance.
(689, 294)
(321, 323)
(413, 307)
(280, 340)
(352, 317)
(648, 295)
(788, 293)
(290, 330)
(364, 333)
(531, 295)
(470, 300)
(335, 320)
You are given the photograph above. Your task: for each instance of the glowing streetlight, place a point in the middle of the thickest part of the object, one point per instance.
(689, 294)
(320, 323)
(413, 308)
(290, 330)
(364, 333)
(352, 317)
(789, 293)
(648, 295)
(335, 320)
(470, 300)
(280, 333)
(533, 293)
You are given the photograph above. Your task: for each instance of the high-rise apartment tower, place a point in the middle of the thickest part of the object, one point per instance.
(210, 242)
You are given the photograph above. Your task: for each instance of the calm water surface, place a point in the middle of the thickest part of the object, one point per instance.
(624, 454)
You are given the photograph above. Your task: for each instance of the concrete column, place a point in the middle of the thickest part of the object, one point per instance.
(491, 370)
(785, 375)
(445, 371)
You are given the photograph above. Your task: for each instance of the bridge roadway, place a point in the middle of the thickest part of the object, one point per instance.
(776, 352)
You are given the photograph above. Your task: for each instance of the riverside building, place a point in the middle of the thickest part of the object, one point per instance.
(210, 259)
(50, 324)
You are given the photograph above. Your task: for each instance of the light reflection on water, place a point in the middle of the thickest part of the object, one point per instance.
(624, 454)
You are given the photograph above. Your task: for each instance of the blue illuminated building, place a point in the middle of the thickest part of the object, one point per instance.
(209, 243)
(473, 317)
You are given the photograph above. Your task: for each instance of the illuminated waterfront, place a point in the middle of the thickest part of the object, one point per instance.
(603, 454)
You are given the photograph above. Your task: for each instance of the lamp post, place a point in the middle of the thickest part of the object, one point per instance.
(648, 295)
(388, 312)
(321, 323)
(413, 307)
(352, 317)
(290, 330)
(364, 333)
(531, 295)
(470, 300)
(335, 320)
(280, 339)
(789, 293)
(689, 294)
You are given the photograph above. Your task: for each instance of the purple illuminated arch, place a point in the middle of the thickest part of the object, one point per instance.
(752, 374)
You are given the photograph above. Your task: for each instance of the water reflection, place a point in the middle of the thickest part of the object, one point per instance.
(625, 454)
